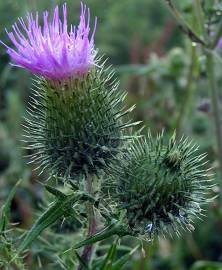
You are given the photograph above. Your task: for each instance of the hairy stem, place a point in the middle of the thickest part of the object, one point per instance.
(183, 24)
(215, 103)
(200, 16)
(217, 36)
(188, 92)
(87, 251)
(209, 47)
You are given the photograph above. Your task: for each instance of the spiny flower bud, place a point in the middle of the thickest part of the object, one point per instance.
(75, 126)
(161, 187)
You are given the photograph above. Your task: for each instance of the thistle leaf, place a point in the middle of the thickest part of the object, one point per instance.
(112, 229)
(82, 262)
(4, 219)
(107, 263)
(204, 265)
(123, 260)
(57, 193)
(59, 208)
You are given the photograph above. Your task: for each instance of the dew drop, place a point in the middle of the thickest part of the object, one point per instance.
(182, 213)
(190, 227)
(149, 227)
(196, 208)
(143, 252)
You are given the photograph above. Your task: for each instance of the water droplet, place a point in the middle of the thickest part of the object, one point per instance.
(105, 149)
(143, 252)
(196, 208)
(149, 227)
(182, 213)
(190, 227)
(89, 125)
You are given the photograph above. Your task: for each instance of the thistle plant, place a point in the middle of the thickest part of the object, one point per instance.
(78, 131)
(75, 124)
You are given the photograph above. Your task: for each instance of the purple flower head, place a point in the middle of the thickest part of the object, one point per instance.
(52, 51)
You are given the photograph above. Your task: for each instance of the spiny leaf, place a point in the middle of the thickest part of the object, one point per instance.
(81, 261)
(112, 229)
(57, 193)
(206, 265)
(6, 208)
(123, 260)
(107, 263)
(59, 208)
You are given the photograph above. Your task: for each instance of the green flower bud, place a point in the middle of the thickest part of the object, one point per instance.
(161, 187)
(75, 125)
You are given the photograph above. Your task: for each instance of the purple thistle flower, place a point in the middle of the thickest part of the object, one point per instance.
(52, 51)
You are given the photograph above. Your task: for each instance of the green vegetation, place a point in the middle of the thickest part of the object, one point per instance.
(166, 74)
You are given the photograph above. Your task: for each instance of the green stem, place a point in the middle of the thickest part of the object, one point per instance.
(200, 16)
(213, 82)
(217, 36)
(188, 92)
(88, 249)
(210, 68)
(215, 103)
(184, 25)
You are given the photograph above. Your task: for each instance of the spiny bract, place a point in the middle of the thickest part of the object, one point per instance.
(161, 187)
(75, 126)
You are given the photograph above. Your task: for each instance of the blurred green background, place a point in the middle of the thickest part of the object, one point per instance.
(164, 75)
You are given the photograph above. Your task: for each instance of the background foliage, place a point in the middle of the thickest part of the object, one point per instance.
(164, 75)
